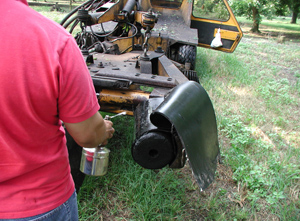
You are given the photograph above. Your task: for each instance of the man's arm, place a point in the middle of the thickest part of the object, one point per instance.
(91, 132)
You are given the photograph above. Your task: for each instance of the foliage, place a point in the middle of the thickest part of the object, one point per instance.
(293, 5)
(211, 9)
(282, 9)
(254, 9)
(244, 7)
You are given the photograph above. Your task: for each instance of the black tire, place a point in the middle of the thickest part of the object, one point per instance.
(187, 54)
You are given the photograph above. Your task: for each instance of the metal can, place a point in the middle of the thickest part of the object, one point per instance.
(94, 161)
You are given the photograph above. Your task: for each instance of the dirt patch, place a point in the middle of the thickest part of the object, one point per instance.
(199, 201)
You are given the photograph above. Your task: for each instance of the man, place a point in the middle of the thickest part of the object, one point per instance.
(43, 81)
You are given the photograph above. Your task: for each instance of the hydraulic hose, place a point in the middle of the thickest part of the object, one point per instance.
(129, 6)
(70, 22)
(74, 11)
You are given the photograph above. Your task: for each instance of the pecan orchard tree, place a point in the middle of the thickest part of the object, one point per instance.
(293, 5)
(253, 9)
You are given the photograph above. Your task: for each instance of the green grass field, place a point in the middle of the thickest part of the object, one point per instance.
(256, 96)
(256, 93)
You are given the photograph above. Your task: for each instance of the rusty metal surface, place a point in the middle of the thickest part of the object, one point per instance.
(167, 67)
(144, 79)
(173, 25)
(122, 97)
(108, 82)
(125, 67)
(159, 92)
(114, 63)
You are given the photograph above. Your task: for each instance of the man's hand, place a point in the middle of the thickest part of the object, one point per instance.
(91, 132)
(109, 131)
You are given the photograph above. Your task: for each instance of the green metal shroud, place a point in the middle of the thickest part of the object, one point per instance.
(189, 111)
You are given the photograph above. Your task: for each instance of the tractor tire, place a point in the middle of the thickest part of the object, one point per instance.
(187, 54)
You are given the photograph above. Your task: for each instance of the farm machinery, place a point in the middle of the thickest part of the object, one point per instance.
(141, 55)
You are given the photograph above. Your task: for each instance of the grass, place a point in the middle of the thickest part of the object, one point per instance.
(256, 96)
(128, 191)
(279, 26)
(278, 23)
(56, 16)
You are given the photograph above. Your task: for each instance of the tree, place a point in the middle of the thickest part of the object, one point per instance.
(293, 5)
(253, 9)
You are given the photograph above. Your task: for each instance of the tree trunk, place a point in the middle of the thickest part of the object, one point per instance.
(294, 18)
(255, 25)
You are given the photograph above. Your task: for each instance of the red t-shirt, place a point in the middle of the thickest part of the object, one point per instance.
(43, 80)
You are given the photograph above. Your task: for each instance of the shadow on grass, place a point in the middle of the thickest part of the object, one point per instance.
(272, 29)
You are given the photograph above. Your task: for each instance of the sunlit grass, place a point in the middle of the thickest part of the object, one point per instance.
(56, 16)
(276, 24)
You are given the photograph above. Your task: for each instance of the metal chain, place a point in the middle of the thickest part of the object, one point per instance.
(145, 46)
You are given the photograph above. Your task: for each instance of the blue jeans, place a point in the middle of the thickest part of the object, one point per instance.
(68, 211)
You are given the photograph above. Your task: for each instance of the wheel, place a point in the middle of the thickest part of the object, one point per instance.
(187, 55)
